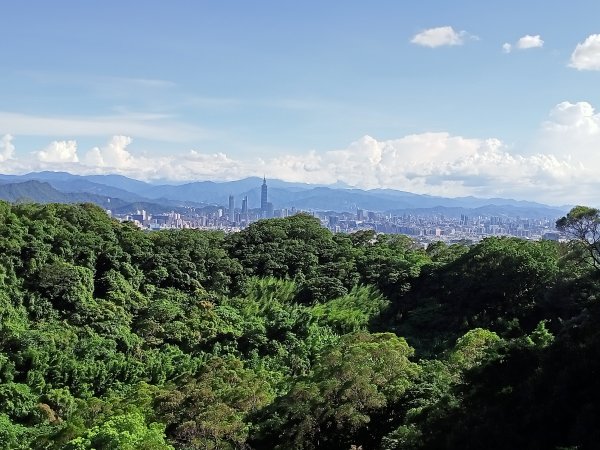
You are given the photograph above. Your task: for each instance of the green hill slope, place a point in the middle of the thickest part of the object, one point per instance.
(286, 336)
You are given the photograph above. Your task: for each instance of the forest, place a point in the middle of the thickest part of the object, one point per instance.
(286, 336)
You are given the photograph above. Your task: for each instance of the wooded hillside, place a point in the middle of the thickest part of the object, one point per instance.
(287, 336)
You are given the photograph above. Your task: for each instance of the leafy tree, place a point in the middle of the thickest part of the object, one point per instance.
(473, 349)
(211, 411)
(17, 400)
(583, 224)
(69, 288)
(353, 311)
(333, 406)
(122, 432)
(501, 284)
(391, 263)
(320, 289)
(13, 436)
(283, 248)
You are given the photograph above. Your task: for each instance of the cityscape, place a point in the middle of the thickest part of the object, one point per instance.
(300, 225)
(426, 228)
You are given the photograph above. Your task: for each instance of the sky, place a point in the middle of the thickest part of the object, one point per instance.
(446, 98)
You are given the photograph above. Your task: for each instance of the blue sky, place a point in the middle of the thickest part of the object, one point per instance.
(308, 91)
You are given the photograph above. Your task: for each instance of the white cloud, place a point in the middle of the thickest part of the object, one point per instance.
(141, 82)
(432, 163)
(586, 55)
(59, 152)
(113, 155)
(569, 115)
(7, 149)
(526, 42)
(529, 41)
(573, 131)
(560, 166)
(440, 36)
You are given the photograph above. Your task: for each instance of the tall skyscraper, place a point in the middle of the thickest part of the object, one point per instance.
(244, 215)
(263, 199)
(231, 209)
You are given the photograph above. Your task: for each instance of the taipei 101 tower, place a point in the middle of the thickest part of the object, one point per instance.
(264, 204)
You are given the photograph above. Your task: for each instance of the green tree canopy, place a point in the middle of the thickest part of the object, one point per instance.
(582, 224)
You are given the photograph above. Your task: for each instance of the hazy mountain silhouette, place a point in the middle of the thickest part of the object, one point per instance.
(281, 193)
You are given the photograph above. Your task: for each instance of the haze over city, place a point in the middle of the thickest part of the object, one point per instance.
(439, 98)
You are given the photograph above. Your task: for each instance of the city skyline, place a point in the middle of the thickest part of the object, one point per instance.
(454, 100)
(422, 227)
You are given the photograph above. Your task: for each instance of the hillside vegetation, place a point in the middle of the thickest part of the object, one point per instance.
(287, 336)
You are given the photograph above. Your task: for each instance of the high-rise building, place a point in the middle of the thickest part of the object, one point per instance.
(231, 209)
(263, 199)
(245, 204)
(244, 214)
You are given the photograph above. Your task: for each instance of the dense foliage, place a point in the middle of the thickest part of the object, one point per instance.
(287, 336)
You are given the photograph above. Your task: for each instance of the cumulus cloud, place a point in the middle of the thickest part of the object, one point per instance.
(113, 155)
(440, 36)
(529, 41)
(586, 55)
(573, 130)
(569, 115)
(526, 42)
(433, 163)
(59, 152)
(7, 149)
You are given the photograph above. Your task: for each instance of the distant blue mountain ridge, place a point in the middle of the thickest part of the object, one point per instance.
(281, 193)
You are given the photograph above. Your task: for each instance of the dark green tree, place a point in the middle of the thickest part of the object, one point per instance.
(582, 224)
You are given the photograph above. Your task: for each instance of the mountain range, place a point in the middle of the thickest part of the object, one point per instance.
(122, 194)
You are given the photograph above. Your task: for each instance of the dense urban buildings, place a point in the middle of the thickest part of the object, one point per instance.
(422, 228)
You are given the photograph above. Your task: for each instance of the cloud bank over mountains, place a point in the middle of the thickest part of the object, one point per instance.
(560, 167)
